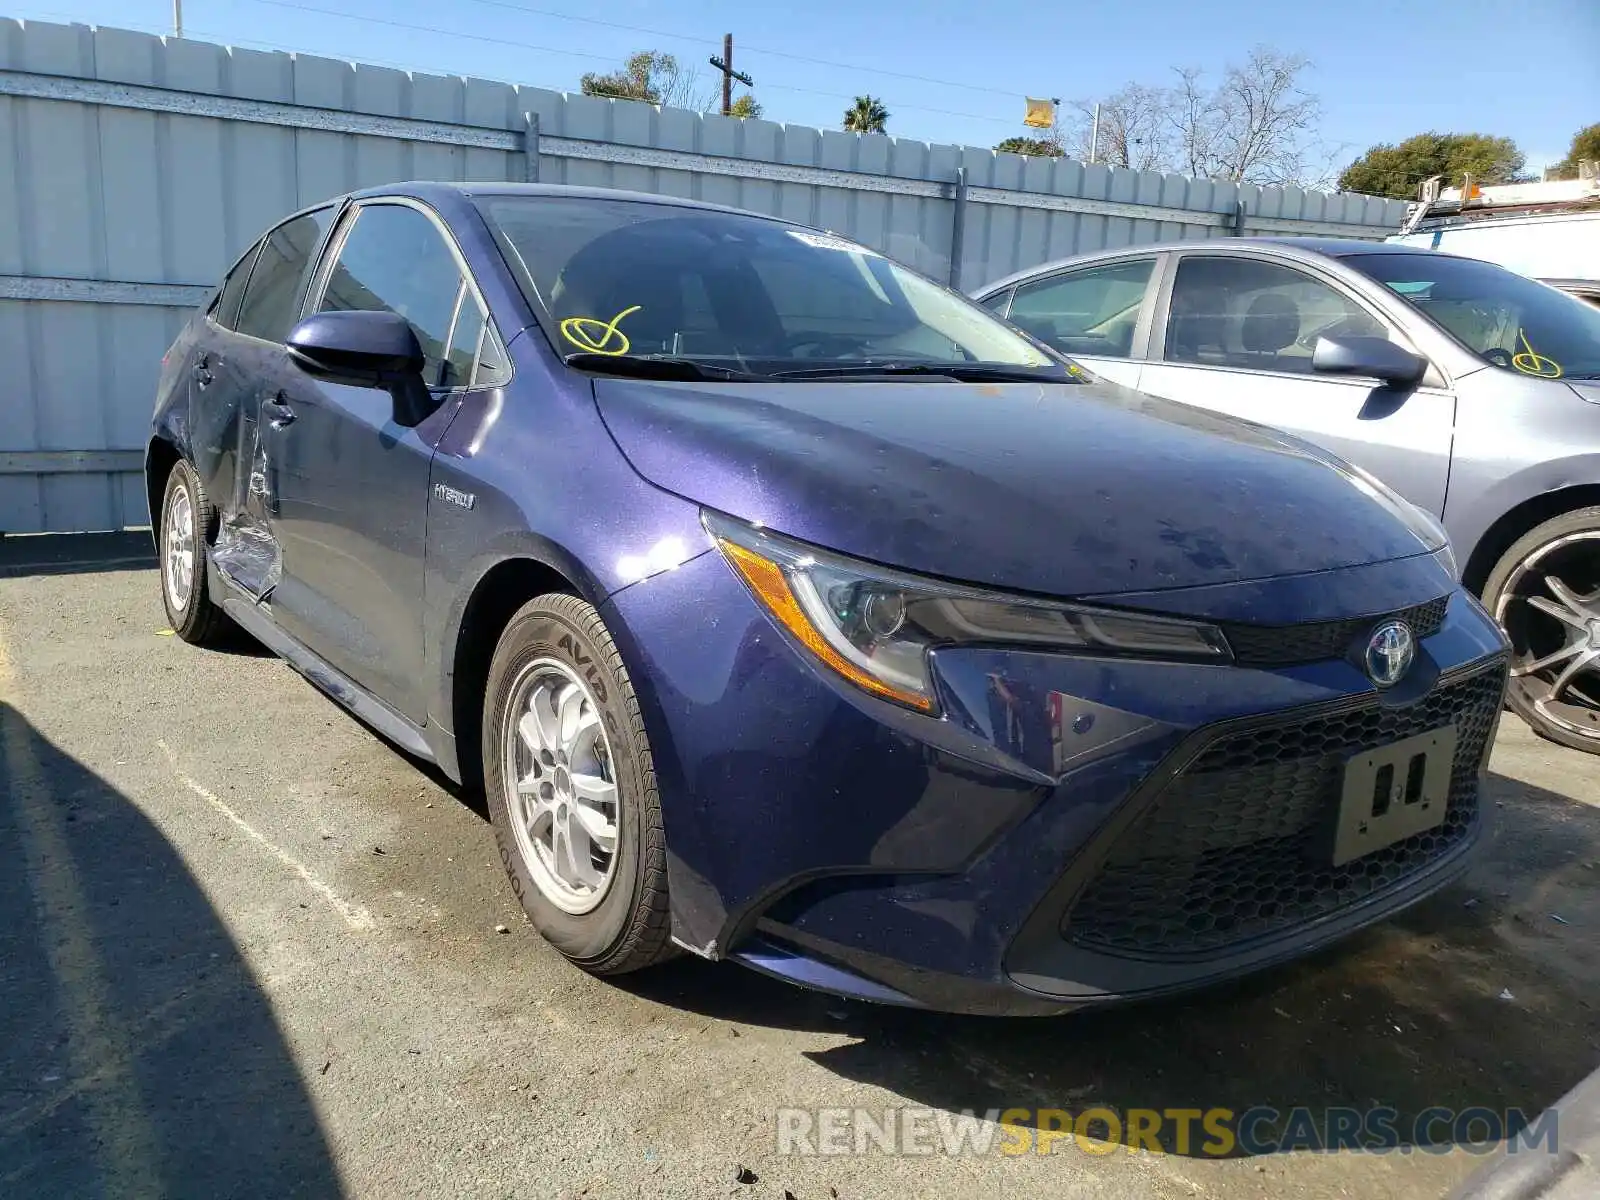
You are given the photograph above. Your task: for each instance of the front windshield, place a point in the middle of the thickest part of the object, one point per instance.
(635, 279)
(1504, 318)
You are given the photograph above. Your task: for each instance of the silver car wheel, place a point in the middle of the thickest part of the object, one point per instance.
(1550, 608)
(561, 788)
(178, 548)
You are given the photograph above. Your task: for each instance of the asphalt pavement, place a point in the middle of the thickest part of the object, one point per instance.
(249, 949)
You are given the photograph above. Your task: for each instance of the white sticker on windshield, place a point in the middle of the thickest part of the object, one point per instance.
(826, 241)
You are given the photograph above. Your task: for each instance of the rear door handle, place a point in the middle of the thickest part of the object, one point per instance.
(277, 412)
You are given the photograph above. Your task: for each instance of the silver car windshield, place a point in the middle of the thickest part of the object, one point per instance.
(1509, 320)
(631, 278)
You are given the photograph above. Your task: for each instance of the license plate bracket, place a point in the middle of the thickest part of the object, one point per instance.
(1393, 792)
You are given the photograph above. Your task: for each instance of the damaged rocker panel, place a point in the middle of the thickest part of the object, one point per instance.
(362, 704)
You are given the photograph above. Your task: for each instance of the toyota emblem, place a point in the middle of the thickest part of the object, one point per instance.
(1389, 653)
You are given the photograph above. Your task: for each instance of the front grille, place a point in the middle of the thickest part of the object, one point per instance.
(1235, 845)
(1316, 641)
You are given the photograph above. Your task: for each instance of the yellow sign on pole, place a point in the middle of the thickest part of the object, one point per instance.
(1041, 114)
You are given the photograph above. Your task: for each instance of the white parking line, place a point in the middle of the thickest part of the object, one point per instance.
(354, 915)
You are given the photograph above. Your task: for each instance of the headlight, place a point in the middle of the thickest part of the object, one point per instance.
(875, 626)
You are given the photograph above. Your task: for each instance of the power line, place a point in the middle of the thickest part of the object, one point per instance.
(436, 68)
(223, 38)
(503, 41)
(821, 62)
(407, 25)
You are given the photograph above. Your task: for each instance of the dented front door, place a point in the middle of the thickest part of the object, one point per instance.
(349, 514)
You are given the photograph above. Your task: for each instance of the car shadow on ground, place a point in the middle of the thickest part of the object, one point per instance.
(1412, 1014)
(138, 1054)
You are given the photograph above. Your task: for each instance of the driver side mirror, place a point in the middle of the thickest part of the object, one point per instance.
(1373, 356)
(365, 349)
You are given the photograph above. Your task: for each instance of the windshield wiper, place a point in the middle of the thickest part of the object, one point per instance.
(654, 367)
(966, 372)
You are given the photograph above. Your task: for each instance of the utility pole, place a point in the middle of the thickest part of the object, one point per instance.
(725, 65)
(177, 18)
(1094, 137)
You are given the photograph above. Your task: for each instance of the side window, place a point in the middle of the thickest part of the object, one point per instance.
(1256, 315)
(466, 332)
(1091, 311)
(271, 297)
(998, 301)
(493, 367)
(394, 259)
(225, 309)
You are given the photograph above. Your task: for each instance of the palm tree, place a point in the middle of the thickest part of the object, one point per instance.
(866, 115)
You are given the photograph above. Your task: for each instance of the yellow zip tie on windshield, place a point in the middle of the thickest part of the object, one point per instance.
(1530, 363)
(595, 336)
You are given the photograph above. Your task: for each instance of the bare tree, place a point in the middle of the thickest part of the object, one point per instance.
(1258, 125)
(1135, 129)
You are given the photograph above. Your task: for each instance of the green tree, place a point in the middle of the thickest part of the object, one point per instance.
(1585, 148)
(1036, 147)
(649, 76)
(745, 106)
(866, 115)
(1399, 170)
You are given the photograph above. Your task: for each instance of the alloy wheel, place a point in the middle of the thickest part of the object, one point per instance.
(1549, 606)
(178, 548)
(561, 786)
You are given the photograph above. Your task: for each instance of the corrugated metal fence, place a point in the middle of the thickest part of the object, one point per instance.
(136, 167)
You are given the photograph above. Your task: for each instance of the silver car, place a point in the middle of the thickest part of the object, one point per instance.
(1471, 390)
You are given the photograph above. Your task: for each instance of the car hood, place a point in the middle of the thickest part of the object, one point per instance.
(1060, 489)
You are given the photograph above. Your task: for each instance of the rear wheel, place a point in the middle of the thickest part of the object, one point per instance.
(1545, 593)
(572, 791)
(187, 520)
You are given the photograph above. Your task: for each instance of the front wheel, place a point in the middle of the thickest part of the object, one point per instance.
(572, 789)
(1545, 593)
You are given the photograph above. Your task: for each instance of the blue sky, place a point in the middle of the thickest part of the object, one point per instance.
(957, 71)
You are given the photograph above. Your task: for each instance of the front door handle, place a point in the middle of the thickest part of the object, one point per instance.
(277, 412)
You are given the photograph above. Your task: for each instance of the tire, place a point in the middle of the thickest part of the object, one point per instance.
(556, 651)
(188, 520)
(1555, 659)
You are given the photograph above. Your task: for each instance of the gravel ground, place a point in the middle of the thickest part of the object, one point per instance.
(247, 948)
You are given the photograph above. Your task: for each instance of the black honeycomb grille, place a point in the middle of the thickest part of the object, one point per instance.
(1317, 641)
(1235, 847)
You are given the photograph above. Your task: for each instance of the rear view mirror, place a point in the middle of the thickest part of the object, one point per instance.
(367, 349)
(1373, 356)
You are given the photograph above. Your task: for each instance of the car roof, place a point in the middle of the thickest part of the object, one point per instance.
(434, 190)
(1294, 247)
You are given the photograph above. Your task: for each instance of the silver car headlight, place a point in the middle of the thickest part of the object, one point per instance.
(875, 626)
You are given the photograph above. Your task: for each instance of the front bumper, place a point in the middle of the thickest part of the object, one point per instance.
(1071, 831)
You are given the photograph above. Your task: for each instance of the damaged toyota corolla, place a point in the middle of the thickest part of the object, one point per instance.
(791, 609)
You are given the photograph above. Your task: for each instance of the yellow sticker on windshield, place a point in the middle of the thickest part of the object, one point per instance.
(595, 336)
(1530, 363)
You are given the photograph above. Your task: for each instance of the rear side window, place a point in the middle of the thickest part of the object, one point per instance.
(271, 299)
(394, 259)
(1091, 311)
(226, 309)
(1262, 316)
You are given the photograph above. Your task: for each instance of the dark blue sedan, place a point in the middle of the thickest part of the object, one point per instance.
(790, 608)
